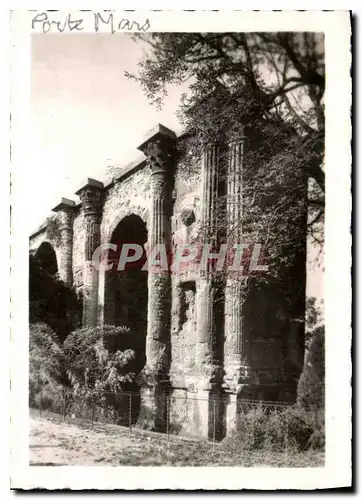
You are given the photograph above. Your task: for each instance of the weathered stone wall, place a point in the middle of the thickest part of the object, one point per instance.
(186, 351)
(130, 195)
(185, 221)
(183, 335)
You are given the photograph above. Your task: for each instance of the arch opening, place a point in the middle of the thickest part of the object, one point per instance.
(47, 258)
(126, 290)
(51, 301)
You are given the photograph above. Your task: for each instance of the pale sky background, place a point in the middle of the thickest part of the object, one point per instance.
(86, 114)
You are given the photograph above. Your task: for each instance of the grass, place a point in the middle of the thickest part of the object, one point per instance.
(53, 442)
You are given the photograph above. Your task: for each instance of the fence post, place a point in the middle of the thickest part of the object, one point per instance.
(286, 434)
(41, 401)
(104, 408)
(92, 409)
(253, 412)
(64, 405)
(167, 415)
(214, 429)
(130, 412)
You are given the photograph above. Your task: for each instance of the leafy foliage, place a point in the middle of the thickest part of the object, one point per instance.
(53, 230)
(84, 374)
(46, 373)
(95, 362)
(312, 380)
(261, 85)
(267, 90)
(278, 429)
(314, 317)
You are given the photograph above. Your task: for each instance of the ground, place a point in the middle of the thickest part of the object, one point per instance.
(62, 443)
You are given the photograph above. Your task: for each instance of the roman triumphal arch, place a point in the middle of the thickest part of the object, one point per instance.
(197, 335)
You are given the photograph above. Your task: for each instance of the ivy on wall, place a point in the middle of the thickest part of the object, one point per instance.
(53, 230)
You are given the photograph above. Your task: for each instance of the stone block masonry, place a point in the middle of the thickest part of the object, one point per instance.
(197, 339)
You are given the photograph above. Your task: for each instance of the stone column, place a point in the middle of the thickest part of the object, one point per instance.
(66, 211)
(236, 370)
(208, 369)
(159, 148)
(205, 279)
(177, 375)
(91, 195)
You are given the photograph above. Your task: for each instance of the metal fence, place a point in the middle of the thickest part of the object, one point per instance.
(253, 425)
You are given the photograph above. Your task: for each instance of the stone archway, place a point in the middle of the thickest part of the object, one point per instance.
(126, 291)
(43, 285)
(47, 257)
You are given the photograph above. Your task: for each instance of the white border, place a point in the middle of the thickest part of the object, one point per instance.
(337, 277)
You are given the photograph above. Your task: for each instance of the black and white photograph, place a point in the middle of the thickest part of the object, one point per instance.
(179, 310)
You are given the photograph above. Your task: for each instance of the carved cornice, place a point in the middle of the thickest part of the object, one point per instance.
(92, 195)
(92, 201)
(160, 155)
(159, 148)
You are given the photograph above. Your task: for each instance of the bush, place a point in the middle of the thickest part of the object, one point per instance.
(46, 372)
(299, 428)
(83, 376)
(49, 397)
(318, 440)
(312, 380)
(94, 360)
(276, 429)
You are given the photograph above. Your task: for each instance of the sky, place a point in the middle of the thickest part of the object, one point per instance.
(85, 113)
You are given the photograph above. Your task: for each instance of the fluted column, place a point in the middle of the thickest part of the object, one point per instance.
(66, 211)
(205, 285)
(159, 149)
(176, 376)
(235, 365)
(91, 195)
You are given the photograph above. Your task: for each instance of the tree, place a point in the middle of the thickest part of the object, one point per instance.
(269, 88)
(274, 82)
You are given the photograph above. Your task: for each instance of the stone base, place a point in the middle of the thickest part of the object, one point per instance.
(200, 414)
(231, 414)
(154, 408)
(211, 414)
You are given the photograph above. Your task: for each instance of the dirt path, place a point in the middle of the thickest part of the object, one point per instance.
(58, 443)
(54, 443)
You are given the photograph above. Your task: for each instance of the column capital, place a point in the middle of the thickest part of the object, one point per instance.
(233, 141)
(91, 195)
(158, 146)
(237, 137)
